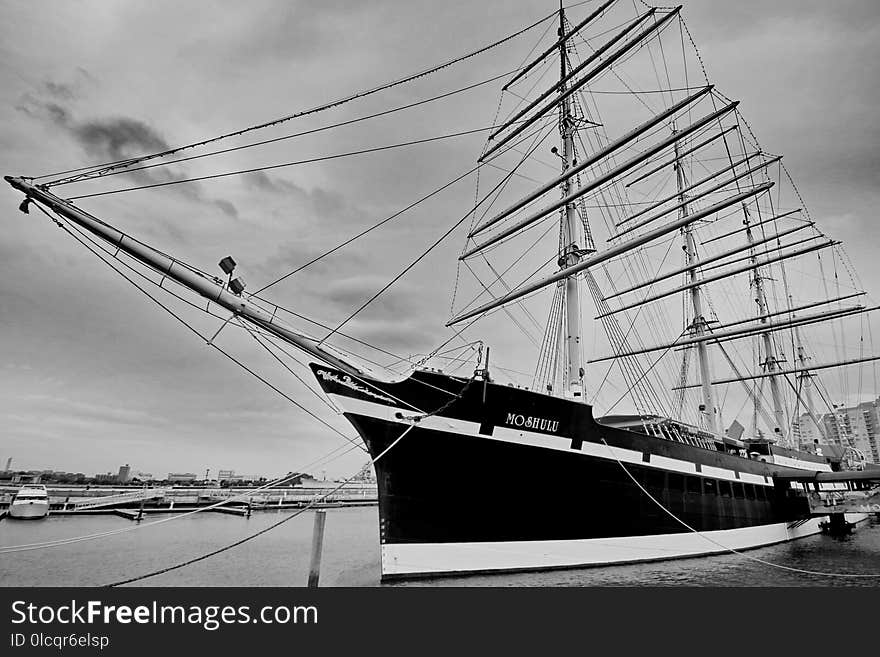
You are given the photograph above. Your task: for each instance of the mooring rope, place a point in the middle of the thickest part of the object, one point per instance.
(721, 545)
(247, 538)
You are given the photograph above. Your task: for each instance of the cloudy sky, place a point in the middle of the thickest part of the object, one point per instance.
(95, 375)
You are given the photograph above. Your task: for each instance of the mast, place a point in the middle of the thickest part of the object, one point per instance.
(708, 409)
(806, 384)
(770, 363)
(571, 255)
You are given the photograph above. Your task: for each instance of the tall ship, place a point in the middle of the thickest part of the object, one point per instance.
(670, 284)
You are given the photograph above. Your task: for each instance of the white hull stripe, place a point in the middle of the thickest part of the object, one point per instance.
(789, 462)
(449, 558)
(534, 439)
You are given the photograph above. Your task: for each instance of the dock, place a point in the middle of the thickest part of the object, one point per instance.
(133, 503)
(834, 494)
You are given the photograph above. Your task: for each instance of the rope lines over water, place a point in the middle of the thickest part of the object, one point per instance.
(225, 548)
(298, 512)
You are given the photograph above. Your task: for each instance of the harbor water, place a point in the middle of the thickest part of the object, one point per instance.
(280, 557)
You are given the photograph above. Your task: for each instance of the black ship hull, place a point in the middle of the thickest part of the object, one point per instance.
(478, 477)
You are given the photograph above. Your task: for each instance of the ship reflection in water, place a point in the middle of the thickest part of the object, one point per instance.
(351, 556)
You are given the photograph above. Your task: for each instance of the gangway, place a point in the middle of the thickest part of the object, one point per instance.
(834, 494)
(142, 494)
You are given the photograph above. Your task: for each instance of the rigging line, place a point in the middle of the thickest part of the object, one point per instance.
(645, 91)
(285, 137)
(508, 312)
(325, 326)
(613, 70)
(523, 98)
(541, 374)
(553, 257)
(615, 191)
(624, 336)
(384, 221)
(519, 175)
(458, 333)
(659, 358)
(629, 368)
(284, 365)
(755, 392)
(419, 259)
(495, 365)
(477, 195)
(498, 191)
(396, 278)
(507, 287)
(619, 193)
(694, 45)
(439, 354)
(194, 330)
(270, 167)
(332, 104)
(524, 61)
(726, 548)
(26, 547)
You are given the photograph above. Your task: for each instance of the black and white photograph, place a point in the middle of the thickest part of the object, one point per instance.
(489, 294)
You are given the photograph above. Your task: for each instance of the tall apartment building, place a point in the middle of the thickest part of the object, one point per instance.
(124, 475)
(858, 426)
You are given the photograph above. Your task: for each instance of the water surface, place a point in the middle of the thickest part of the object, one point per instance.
(351, 556)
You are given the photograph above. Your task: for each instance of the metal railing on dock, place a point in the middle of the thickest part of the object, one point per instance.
(120, 499)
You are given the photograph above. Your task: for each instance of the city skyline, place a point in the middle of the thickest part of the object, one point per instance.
(126, 472)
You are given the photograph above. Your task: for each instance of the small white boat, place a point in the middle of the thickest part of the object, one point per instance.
(30, 503)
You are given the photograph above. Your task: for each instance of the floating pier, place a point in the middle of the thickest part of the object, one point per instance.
(135, 503)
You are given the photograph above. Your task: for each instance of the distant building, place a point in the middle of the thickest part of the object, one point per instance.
(124, 475)
(26, 478)
(107, 478)
(230, 477)
(182, 477)
(61, 477)
(8, 464)
(856, 426)
(143, 476)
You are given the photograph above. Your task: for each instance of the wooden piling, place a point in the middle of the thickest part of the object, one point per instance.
(317, 546)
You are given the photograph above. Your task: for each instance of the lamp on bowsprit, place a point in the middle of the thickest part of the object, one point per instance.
(227, 265)
(237, 286)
